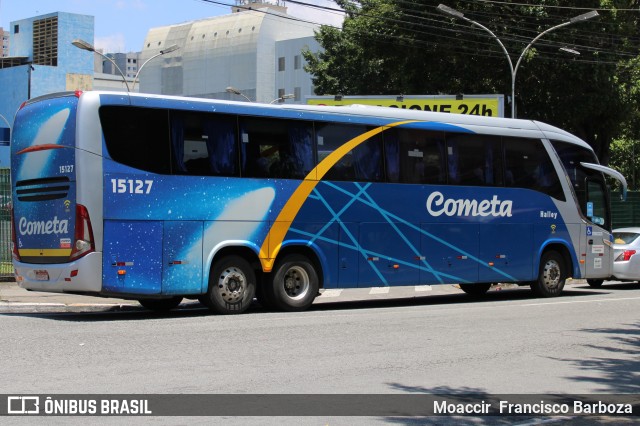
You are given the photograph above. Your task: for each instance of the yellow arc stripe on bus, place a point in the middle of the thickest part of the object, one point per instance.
(273, 242)
(44, 252)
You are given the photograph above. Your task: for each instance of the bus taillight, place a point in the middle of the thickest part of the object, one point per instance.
(83, 239)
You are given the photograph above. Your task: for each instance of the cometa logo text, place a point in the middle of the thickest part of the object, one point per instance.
(438, 205)
(43, 227)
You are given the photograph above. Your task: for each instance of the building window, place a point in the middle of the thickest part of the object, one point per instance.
(45, 41)
(280, 93)
(16, 29)
(297, 62)
(297, 93)
(281, 63)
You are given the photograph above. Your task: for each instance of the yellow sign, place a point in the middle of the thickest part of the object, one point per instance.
(489, 105)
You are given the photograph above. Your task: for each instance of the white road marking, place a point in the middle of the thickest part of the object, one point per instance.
(423, 288)
(332, 292)
(379, 290)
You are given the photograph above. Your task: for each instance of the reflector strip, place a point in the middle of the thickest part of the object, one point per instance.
(44, 252)
(43, 147)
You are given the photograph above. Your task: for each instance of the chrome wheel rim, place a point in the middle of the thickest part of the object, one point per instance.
(552, 275)
(296, 283)
(232, 285)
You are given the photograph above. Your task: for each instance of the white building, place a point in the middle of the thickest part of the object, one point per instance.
(255, 49)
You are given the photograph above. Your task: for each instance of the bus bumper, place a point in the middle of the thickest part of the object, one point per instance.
(82, 275)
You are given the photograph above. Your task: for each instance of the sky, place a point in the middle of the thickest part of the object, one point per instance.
(122, 25)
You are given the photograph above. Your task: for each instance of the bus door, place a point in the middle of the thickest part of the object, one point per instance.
(182, 257)
(389, 255)
(597, 237)
(449, 253)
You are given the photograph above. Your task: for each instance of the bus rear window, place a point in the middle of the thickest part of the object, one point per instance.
(146, 147)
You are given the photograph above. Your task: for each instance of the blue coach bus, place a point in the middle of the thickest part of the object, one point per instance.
(159, 198)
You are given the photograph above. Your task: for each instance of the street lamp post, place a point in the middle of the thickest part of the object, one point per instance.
(81, 44)
(282, 98)
(514, 69)
(169, 49)
(235, 91)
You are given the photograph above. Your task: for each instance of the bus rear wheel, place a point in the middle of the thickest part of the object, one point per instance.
(551, 275)
(232, 285)
(161, 305)
(294, 284)
(475, 289)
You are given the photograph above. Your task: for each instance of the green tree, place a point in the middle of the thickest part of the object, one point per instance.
(625, 150)
(405, 46)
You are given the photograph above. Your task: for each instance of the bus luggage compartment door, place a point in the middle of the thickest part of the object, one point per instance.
(389, 255)
(182, 258)
(132, 257)
(449, 253)
(505, 251)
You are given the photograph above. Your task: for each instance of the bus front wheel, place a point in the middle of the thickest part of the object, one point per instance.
(232, 285)
(294, 284)
(551, 276)
(161, 305)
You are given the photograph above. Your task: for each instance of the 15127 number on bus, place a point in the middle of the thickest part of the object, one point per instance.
(131, 186)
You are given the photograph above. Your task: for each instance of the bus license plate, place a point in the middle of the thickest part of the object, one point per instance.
(42, 275)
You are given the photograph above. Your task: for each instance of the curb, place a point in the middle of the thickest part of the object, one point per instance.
(23, 307)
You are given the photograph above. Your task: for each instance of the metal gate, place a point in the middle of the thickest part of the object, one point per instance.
(6, 268)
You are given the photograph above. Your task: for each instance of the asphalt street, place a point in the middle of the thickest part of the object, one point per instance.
(364, 341)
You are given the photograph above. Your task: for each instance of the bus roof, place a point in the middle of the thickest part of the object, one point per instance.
(492, 125)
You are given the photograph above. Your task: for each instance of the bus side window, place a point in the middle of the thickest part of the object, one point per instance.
(528, 165)
(276, 148)
(415, 156)
(474, 160)
(363, 163)
(219, 135)
(204, 144)
(130, 142)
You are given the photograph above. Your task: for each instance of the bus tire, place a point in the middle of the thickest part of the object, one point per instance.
(294, 284)
(232, 285)
(475, 290)
(595, 282)
(161, 305)
(551, 275)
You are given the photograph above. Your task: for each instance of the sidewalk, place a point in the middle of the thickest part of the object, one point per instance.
(14, 299)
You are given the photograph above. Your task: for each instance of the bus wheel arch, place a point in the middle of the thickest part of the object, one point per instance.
(295, 280)
(553, 270)
(233, 276)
